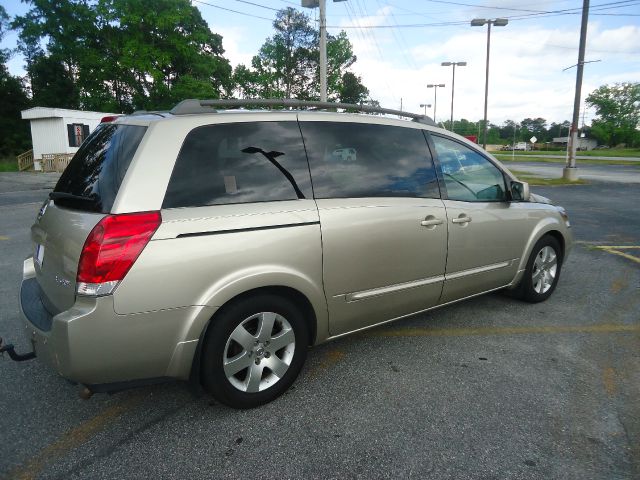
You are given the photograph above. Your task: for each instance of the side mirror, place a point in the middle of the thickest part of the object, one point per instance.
(519, 191)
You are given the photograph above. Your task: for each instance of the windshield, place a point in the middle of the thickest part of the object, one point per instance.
(93, 177)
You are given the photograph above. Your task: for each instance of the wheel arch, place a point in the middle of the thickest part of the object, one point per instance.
(298, 298)
(549, 226)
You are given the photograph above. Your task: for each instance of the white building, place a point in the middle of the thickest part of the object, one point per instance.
(583, 142)
(59, 130)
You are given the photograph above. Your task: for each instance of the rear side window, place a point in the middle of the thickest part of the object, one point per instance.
(360, 160)
(96, 171)
(239, 163)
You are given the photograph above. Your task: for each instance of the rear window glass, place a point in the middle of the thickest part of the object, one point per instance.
(240, 163)
(96, 170)
(363, 160)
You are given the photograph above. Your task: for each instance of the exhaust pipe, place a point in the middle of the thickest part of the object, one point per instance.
(86, 393)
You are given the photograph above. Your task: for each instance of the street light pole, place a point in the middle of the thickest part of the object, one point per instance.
(425, 105)
(479, 22)
(435, 87)
(453, 82)
(486, 89)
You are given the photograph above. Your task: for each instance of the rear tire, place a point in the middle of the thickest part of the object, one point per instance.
(542, 272)
(253, 351)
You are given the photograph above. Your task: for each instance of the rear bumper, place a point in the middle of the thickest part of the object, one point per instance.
(91, 344)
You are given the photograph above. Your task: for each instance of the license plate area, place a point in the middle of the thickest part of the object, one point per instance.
(39, 256)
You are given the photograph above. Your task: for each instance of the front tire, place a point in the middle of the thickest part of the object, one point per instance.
(253, 350)
(543, 271)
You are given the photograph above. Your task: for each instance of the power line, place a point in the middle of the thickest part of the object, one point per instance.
(257, 5)
(404, 47)
(485, 6)
(364, 33)
(545, 14)
(233, 11)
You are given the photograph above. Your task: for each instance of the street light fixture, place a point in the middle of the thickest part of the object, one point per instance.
(435, 87)
(425, 105)
(479, 22)
(453, 82)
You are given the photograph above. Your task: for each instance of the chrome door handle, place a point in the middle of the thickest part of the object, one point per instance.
(431, 222)
(461, 219)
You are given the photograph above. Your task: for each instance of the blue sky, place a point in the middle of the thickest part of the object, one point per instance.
(400, 45)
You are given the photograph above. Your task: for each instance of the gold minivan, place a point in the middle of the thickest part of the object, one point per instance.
(218, 245)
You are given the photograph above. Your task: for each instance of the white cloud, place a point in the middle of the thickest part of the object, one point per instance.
(526, 77)
(235, 47)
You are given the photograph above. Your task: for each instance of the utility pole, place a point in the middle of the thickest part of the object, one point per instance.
(570, 171)
(323, 41)
(323, 50)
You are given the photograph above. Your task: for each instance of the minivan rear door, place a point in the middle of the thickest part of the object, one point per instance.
(384, 236)
(83, 195)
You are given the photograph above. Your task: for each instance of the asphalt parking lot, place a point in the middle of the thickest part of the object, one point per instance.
(490, 388)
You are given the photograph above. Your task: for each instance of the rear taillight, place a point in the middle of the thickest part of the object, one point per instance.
(109, 118)
(111, 249)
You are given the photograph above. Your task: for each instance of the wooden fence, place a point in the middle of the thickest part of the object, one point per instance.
(25, 160)
(55, 162)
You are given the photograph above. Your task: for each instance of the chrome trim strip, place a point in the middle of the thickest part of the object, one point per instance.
(333, 337)
(376, 292)
(473, 271)
(250, 229)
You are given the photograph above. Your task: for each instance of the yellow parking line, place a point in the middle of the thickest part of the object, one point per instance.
(72, 439)
(4, 237)
(480, 331)
(609, 381)
(616, 250)
(329, 360)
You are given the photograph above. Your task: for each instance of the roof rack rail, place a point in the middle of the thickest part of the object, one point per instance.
(208, 106)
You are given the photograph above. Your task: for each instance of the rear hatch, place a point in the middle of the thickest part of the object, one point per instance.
(82, 197)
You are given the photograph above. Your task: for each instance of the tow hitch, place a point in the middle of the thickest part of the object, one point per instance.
(16, 357)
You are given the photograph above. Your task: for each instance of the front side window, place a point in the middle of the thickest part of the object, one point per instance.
(239, 163)
(468, 176)
(362, 160)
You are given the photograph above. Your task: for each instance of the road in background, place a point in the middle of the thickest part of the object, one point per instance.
(597, 173)
(563, 156)
(486, 388)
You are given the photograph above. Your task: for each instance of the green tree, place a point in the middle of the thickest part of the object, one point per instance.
(160, 55)
(51, 85)
(54, 35)
(534, 127)
(557, 130)
(14, 132)
(284, 65)
(618, 110)
(351, 89)
(340, 57)
(120, 55)
(287, 64)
